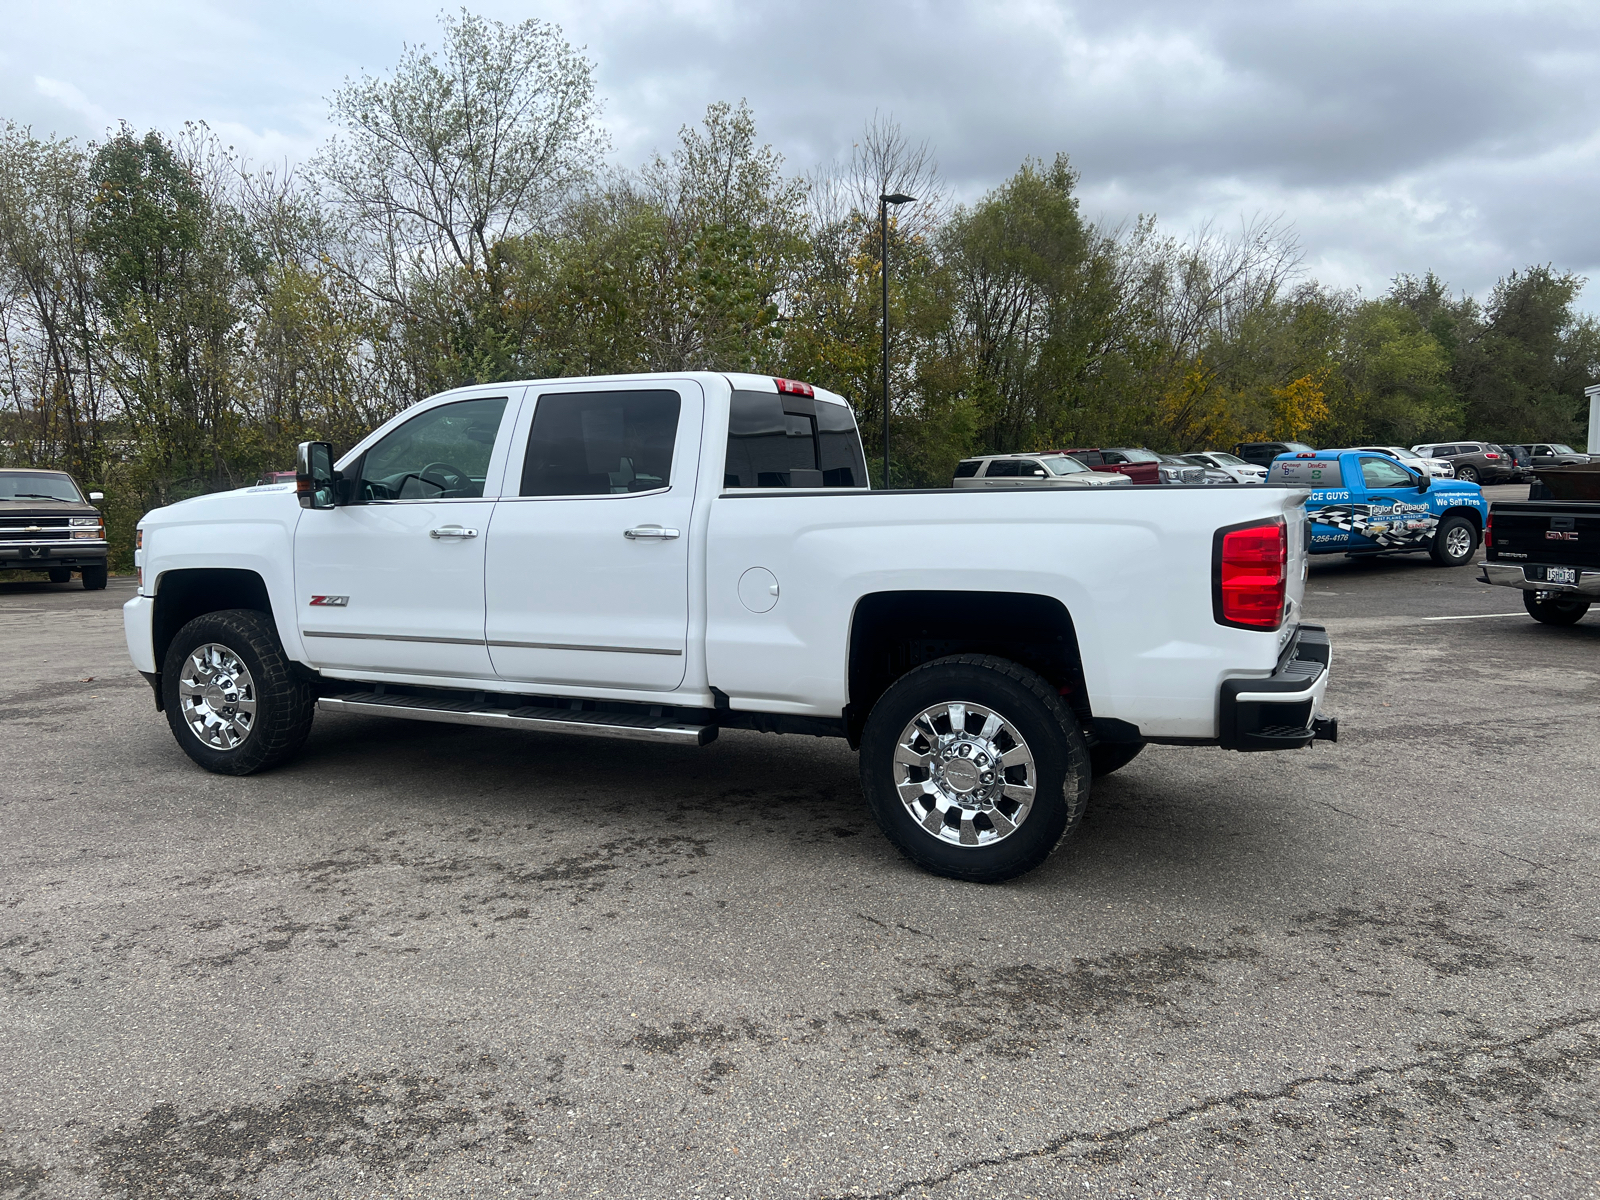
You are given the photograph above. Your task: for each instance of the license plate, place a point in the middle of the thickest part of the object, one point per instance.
(1561, 574)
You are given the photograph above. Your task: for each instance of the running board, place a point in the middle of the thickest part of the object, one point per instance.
(542, 720)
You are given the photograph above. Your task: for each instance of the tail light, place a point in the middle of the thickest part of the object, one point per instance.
(1488, 532)
(793, 387)
(1490, 454)
(1250, 565)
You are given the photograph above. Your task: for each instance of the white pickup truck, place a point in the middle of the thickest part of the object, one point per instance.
(657, 557)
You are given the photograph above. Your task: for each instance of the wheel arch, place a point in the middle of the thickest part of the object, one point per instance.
(893, 632)
(186, 593)
(1467, 511)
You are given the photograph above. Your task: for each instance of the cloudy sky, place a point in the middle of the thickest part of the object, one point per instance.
(1394, 136)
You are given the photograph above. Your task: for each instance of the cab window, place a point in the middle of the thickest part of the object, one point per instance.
(1385, 473)
(442, 454)
(791, 441)
(600, 443)
(1306, 472)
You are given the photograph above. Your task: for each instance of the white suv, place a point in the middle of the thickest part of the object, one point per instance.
(1032, 470)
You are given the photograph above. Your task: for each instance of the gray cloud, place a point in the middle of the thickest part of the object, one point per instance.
(1458, 136)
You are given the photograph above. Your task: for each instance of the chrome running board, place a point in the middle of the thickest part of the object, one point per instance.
(542, 720)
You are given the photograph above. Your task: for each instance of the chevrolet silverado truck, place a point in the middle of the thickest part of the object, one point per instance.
(1364, 502)
(660, 557)
(47, 525)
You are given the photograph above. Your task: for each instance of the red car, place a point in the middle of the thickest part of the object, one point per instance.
(1140, 466)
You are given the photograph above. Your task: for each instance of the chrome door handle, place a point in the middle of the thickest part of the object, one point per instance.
(653, 533)
(451, 531)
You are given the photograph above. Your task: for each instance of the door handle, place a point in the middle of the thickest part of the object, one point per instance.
(451, 531)
(650, 533)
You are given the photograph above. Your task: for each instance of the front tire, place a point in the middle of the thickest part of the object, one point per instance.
(94, 578)
(1552, 608)
(974, 768)
(1454, 542)
(232, 700)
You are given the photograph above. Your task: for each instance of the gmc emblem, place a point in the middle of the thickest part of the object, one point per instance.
(1560, 535)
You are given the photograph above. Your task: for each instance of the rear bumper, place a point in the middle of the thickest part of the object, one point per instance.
(1516, 575)
(1282, 711)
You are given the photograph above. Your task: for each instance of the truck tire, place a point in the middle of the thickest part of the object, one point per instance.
(94, 578)
(1552, 608)
(231, 697)
(1455, 541)
(60, 575)
(974, 768)
(1112, 756)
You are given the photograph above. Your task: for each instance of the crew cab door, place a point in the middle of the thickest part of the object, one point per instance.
(392, 581)
(588, 553)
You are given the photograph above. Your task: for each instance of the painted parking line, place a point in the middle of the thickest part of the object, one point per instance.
(1475, 617)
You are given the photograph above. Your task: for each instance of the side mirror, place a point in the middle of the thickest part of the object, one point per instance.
(313, 474)
(97, 495)
(1425, 482)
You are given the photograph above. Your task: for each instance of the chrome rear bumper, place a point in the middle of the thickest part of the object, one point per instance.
(1516, 575)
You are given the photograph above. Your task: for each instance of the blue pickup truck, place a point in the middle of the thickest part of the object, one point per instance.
(1364, 503)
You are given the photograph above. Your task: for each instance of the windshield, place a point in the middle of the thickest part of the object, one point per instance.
(1560, 449)
(38, 485)
(1065, 466)
(1224, 460)
(1141, 455)
(1296, 447)
(1401, 452)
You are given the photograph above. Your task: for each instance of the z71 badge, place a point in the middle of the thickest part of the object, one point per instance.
(329, 601)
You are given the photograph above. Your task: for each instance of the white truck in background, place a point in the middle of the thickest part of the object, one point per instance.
(657, 557)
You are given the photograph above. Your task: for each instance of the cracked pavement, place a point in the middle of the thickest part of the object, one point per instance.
(431, 960)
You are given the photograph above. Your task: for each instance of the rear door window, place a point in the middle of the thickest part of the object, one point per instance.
(1003, 468)
(968, 469)
(600, 443)
(783, 441)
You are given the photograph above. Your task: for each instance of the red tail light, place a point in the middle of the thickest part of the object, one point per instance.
(1490, 454)
(1488, 531)
(794, 387)
(1251, 575)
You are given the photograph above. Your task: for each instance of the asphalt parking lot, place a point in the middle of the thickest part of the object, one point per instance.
(439, 961)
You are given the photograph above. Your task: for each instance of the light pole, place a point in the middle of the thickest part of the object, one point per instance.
(884, 201)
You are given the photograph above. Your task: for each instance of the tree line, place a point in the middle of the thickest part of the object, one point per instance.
(174, 320)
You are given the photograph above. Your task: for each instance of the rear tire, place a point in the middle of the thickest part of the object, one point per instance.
(1112, 756)
(1455, 541)
(94, 578)
(987, 801)
(1551, 608)
(60, 575)
(232, 700)
(1467, 474)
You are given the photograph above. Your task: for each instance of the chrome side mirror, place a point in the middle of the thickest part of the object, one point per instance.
(313, 474)
(97, 495)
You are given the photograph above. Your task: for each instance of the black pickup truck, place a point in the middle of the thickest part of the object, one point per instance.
(47, 525)
(1549, 548)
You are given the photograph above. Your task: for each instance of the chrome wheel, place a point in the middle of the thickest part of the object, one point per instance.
(1458, 542)
(964, 774)
(218, 696)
